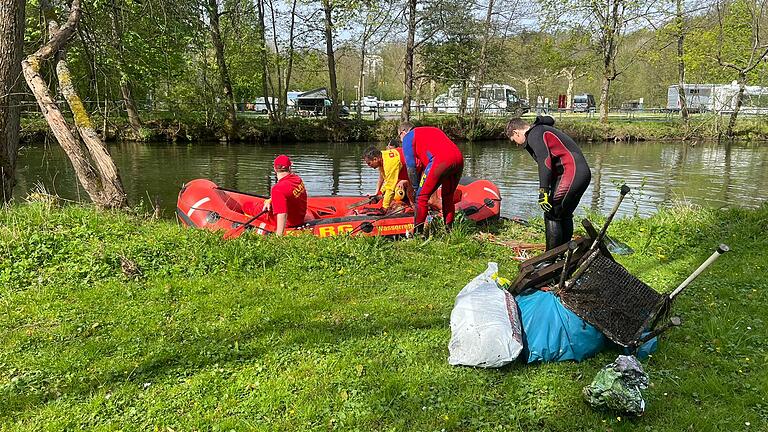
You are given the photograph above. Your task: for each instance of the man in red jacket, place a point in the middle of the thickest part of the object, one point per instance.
(432, 160)
(287, 204)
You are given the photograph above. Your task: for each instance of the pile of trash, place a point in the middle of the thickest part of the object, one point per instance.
(491, 328)
(485, 325)
(618, 386)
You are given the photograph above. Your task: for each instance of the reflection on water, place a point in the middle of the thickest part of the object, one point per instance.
(709, 174)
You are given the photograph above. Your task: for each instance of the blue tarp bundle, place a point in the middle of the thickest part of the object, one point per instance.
(553, 333)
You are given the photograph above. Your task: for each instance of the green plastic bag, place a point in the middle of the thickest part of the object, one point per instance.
(618, 386)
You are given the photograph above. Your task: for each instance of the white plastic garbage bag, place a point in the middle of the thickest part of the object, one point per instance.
(485, 324)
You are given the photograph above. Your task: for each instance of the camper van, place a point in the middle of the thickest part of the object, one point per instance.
(260, 105)
(494, 99)
(584, 103)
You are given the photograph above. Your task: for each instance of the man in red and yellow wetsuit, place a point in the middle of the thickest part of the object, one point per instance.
(392, 173)
(287, 204)
(563, 173)
(432, 160)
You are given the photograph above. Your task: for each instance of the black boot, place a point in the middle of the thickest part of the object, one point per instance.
(567, 229)
(553, 231)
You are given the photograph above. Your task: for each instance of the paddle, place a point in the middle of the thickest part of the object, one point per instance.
(231, 233)
(363, 202)
(367, 226)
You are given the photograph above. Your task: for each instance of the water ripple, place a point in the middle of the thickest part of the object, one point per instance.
(660, 173)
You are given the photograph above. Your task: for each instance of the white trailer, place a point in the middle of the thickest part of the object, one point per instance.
(698, 97)
(720, 98)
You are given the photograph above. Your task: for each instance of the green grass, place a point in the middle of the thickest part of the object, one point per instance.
(343, 334)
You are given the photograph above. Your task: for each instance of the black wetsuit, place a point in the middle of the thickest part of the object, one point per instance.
(563, 171)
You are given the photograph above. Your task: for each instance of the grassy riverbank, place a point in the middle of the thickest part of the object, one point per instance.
(110, 321)
(259, 130)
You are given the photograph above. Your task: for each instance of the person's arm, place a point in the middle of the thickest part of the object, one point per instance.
(543, 159)
(409, 192)
(410, 159)
(282, 219)
(380, 182)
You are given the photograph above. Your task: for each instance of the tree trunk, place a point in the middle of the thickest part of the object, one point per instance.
(432, 85)
(571, 77)
(604, 92)
(680, 21)
(614, 21)
(125, 85)
(103, 186)
(11, 49)
(481, 68)
(463, 101)
(405, 114)
(289, 67)
(230, 123)
(739, 100)
(333, 112)
(361, 80)
(265, 72)
(276, 111)
(130, 106)
(111, 185)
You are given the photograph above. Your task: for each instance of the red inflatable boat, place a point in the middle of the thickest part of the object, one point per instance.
(203, 204)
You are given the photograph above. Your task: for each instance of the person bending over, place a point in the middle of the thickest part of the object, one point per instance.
(563, 173)
(392, 173)
(432, 160)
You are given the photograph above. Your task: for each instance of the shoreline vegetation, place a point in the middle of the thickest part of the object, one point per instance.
(115, 320)
(259, 130)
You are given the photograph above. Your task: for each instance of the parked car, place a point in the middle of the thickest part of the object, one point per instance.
(518, 107)
(584, 103)
(369, 103)
(260, 104)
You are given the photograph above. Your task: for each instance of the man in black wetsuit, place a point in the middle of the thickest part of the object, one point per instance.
(563, 173)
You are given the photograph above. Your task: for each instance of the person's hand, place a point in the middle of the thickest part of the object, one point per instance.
(374, 198)
(267, 205)
(544, 200)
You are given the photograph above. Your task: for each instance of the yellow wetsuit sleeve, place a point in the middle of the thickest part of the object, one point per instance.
(391, 162)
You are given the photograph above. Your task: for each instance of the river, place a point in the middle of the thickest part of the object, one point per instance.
(707, 174)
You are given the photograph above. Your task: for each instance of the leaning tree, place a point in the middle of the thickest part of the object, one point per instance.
(94, 167)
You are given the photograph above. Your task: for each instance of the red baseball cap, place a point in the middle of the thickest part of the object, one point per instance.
(282, 161)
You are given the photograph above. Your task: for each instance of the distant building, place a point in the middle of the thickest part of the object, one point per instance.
(313, 102)
(373, 65)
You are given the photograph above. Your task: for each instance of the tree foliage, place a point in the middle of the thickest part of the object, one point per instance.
(560, 47)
